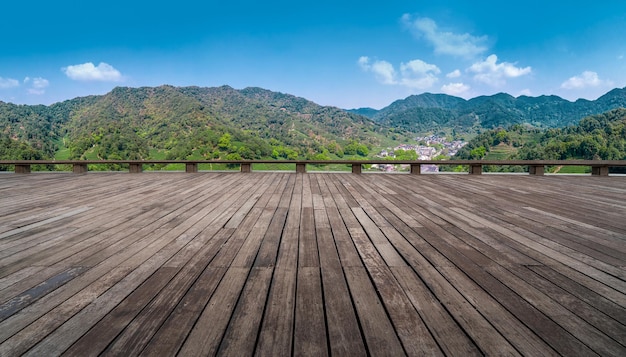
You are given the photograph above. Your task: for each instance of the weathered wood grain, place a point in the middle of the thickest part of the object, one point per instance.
(279, 264)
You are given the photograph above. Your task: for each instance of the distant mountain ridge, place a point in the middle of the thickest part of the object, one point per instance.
(184, 122)
(433, 112)
(168, 122)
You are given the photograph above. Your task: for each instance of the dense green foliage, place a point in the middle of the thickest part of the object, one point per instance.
(596, 137)
(440, 113)
(223, 123)
(187, 123)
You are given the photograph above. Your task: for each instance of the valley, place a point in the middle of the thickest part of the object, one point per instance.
(223, 123)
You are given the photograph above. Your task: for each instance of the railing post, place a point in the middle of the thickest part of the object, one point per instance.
(600, 170)
(135, 168)
(22, 168)
(300, 168)
(416, 169)
(356, 168)
(476, 169)
(79, 168)
(246, 168)
(191, 167)
(536, 170)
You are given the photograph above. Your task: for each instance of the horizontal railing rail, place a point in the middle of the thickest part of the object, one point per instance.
(535, 167)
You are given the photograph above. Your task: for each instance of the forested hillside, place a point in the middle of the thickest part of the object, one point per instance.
(596, 137)
(181, 123)
(169, 122)
(440, 113)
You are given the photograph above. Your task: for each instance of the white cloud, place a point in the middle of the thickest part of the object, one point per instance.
(585, 80)
(445, 42)
(419, 67)
(526, 92)
(88, 72)
(38, 85)
(413, 74)
(494, 74)
(455, 88)
(6, 83)
(418, 74)
(383, 70)
(454, 74)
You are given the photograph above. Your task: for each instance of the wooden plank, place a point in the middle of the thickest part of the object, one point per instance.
(578, 290)
(415, 337)
(205, 337)
(344, 336)
(22, 339)
(77, 255)
(241, 333)
(386, 250)
(379, 332)
(576, 237)
(276, 334)
(541, 258)
(465, 312)
(98, 308)
(489, 281)
(540, 324)
(268, 250)
(100, 335)
(247, 205)
(449, 335)
(174, 331)
(19, 275)
(308, 255)
(310, 327)
(44, 222)
(345, 247)
(138, 332)
(548, 248)
(75, 258)
(342, 196)
(588, 335)
(250, 247)
(607, 324)
(316, 192)
(29, 296)
(65, 335)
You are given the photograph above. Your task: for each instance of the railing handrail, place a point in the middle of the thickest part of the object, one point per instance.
(331, 162)
(535, 167)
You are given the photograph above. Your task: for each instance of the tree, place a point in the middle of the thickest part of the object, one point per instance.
(224, 141)
(362, 150)
(356, 148)
(502, 137)
(478, 153)
(405, 154)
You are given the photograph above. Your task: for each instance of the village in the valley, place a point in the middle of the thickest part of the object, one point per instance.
(427, 148)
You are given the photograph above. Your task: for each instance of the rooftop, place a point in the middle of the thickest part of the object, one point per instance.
(312, 264)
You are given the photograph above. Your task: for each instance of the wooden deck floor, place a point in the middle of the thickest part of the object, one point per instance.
(317, 264)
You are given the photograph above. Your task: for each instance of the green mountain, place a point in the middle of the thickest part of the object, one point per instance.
(442, 113)
(169, 122)
(185, 122)
(596, 137)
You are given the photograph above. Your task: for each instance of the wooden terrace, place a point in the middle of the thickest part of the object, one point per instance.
(278, 264)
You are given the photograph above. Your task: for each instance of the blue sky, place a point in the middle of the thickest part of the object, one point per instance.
(341, 53)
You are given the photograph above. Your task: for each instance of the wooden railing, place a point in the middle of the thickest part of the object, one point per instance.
(535, 167)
